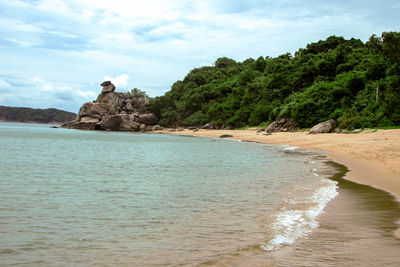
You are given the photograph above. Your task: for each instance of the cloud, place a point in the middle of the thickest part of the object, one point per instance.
(18, 42)
(10, 24)
(119, 81)
(4, 85)
(42, 84)
(86, 94)
(38, 92)
(58, 51)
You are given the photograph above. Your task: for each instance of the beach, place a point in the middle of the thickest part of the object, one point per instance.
(372, 156)
(174, 200)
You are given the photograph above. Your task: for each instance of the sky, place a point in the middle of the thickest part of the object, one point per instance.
(55, 53)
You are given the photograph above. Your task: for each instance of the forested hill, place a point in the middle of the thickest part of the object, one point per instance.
(50, 115)
(355, 83)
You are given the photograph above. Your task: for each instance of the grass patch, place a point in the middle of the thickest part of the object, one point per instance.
(242, 128)
(387, 128)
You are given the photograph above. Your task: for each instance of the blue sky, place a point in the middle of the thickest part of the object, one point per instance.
(55, 53)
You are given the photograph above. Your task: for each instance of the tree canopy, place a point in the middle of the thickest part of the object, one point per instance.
(355, 83)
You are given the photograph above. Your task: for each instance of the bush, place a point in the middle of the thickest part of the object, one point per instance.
(333, 78)
(195, 119)
(260, 113)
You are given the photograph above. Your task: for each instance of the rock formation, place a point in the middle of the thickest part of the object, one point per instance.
(323, 127)
(210, 126)
(283, 125)
(114, 111)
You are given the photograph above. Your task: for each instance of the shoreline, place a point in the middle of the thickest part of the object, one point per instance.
(371, 156)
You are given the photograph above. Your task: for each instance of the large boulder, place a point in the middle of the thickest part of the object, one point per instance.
(129, 107)
(210, 126)
(129, 123)
(323, 127)
(107, 87)
(114, 111)
(89, 120)
(283, 125)
(148, 119)
(225, 136)
(157, 128)
(93, 110)
(79, 125)
(111, 99)
(125, 95)
(109, 122)
(140, 102)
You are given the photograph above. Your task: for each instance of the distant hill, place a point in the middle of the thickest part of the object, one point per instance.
(50, 115)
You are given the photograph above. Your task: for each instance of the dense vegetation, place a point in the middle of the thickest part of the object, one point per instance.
(355, 83)
(35, 115)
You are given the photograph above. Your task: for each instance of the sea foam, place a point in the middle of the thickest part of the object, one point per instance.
(290, 148)
(291, 224)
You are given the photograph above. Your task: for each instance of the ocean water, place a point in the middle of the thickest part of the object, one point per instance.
(70, 197)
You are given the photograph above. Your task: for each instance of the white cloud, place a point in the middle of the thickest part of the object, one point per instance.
(53, 6)
(86, 94)
(119, 81)
(19, 42)
(65, 9)
(13, 25)
(4, 84)
(138, 9)
(70, 45)
(42, 84)
(41, 93)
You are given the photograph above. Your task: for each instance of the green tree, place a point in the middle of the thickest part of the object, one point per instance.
(354, 82)
(137, 93)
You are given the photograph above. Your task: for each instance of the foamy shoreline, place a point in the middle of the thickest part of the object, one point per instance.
(371, 156)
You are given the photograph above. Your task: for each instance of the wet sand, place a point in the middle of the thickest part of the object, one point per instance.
(372, 157)
(355, 229)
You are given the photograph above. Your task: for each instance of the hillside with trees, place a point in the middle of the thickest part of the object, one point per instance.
(50, 115)
(355, 83)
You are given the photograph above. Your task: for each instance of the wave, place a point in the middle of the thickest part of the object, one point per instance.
(290, 148)
(295, 221)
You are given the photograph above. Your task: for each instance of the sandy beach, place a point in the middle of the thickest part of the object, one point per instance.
(373, 157)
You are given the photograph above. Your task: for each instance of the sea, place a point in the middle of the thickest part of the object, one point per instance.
(84, 198)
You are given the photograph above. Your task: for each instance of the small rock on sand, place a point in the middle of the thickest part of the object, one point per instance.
(225, 135)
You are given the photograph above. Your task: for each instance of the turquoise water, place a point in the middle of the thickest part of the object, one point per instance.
(85, 197)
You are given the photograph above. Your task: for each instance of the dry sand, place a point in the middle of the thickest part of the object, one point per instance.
(373, 158)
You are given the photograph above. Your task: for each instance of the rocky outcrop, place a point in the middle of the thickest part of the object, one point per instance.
(323, 127)
(109, 122)
(210, 126)
(283, 125)
(156, 128)
(107, 87)
(114, 111)
(148, 119)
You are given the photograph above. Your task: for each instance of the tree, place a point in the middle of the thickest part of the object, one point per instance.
(391, 46)
(260, 64)
(137, 93)
(224, 62)
(332, 78)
